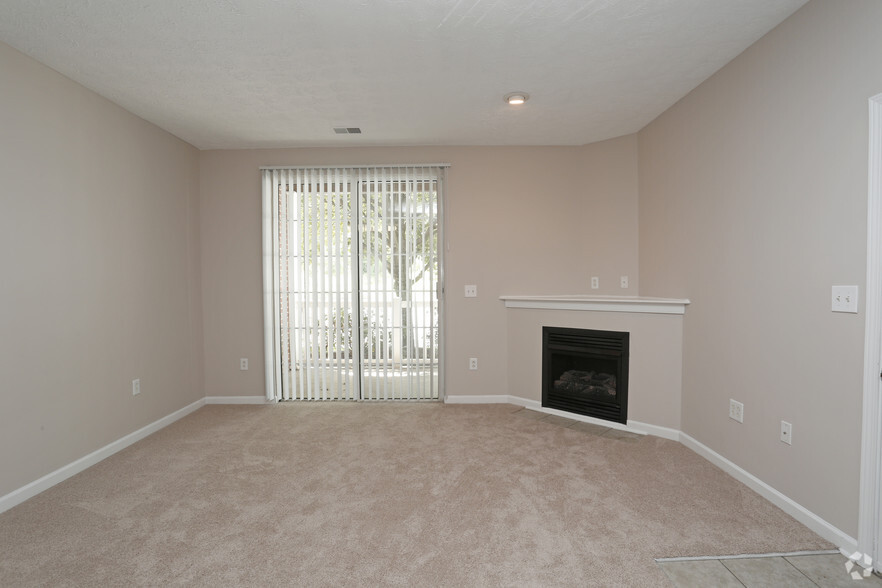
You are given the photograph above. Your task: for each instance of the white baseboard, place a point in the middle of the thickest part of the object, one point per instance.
(16, 497)
(531, 404)
(587, 419)
(237, 400)
(656, 431)
(832, 534)
(631, 427)
(492, 399)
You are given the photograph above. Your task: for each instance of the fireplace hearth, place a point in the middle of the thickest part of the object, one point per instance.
(585, 371)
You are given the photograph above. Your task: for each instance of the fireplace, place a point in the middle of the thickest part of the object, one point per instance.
(586, 372)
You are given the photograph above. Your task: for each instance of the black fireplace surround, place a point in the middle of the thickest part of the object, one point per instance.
(586, 372)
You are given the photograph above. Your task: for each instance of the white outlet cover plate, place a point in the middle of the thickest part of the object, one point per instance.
(845, 299)
(736, 410)
(786, 433)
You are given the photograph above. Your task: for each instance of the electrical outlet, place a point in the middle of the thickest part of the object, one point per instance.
(736, 411)
(243, 363)
(136, 386)
(623, 281)
(786, 433)
(473, 363)
(471, 291)
(595, 283)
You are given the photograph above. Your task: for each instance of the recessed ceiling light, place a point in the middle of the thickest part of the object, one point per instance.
(516, 98)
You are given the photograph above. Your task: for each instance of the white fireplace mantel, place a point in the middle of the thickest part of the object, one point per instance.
(636, 304)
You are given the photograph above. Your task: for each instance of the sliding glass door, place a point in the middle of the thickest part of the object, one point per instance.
(351, 275)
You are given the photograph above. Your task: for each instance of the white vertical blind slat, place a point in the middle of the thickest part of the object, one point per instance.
(407, 293)
(341, 333)
(357, 229)
(412, 274)
(366, 284)
(386, 252)
(293, 272)
(286, 251)
(344, 332)
(434, 281)
(310, 290)
(414, 205)
(322, 278)
(285, 285)
(425, 332)
(372, 284)
(304, 381)
(438, 248)
(416, 208)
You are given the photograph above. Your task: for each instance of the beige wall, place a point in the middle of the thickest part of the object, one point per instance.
(753, 196)
(100, 272)
(531, 220)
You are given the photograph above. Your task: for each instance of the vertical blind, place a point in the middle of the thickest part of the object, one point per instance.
(352, 271)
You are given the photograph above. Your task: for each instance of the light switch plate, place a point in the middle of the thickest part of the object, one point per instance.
(845, 299)
(471, 291)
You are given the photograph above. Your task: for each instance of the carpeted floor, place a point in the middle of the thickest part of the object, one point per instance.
(401, 494)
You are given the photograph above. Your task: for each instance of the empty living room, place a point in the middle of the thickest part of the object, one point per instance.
(441, 293)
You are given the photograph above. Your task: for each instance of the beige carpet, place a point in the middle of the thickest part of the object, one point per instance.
(385, 494)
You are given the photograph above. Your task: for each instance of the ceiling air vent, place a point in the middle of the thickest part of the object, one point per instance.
(347, 130)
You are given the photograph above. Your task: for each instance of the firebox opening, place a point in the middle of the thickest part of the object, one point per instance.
(585, 371)
(593, 378)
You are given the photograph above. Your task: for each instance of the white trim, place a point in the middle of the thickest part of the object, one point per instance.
(632, 426)
(16, 497)
(491, 399)
(359, 166)
(269, 350)
(594, 421)
(636, 304)
(238, 400)
(747, 555)
(794, 509)
(870, 503)
(655, 430)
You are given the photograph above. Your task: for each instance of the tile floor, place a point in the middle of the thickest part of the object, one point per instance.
(793, 571)
(829, 570)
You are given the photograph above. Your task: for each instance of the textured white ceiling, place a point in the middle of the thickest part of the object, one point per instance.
(282, 73)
